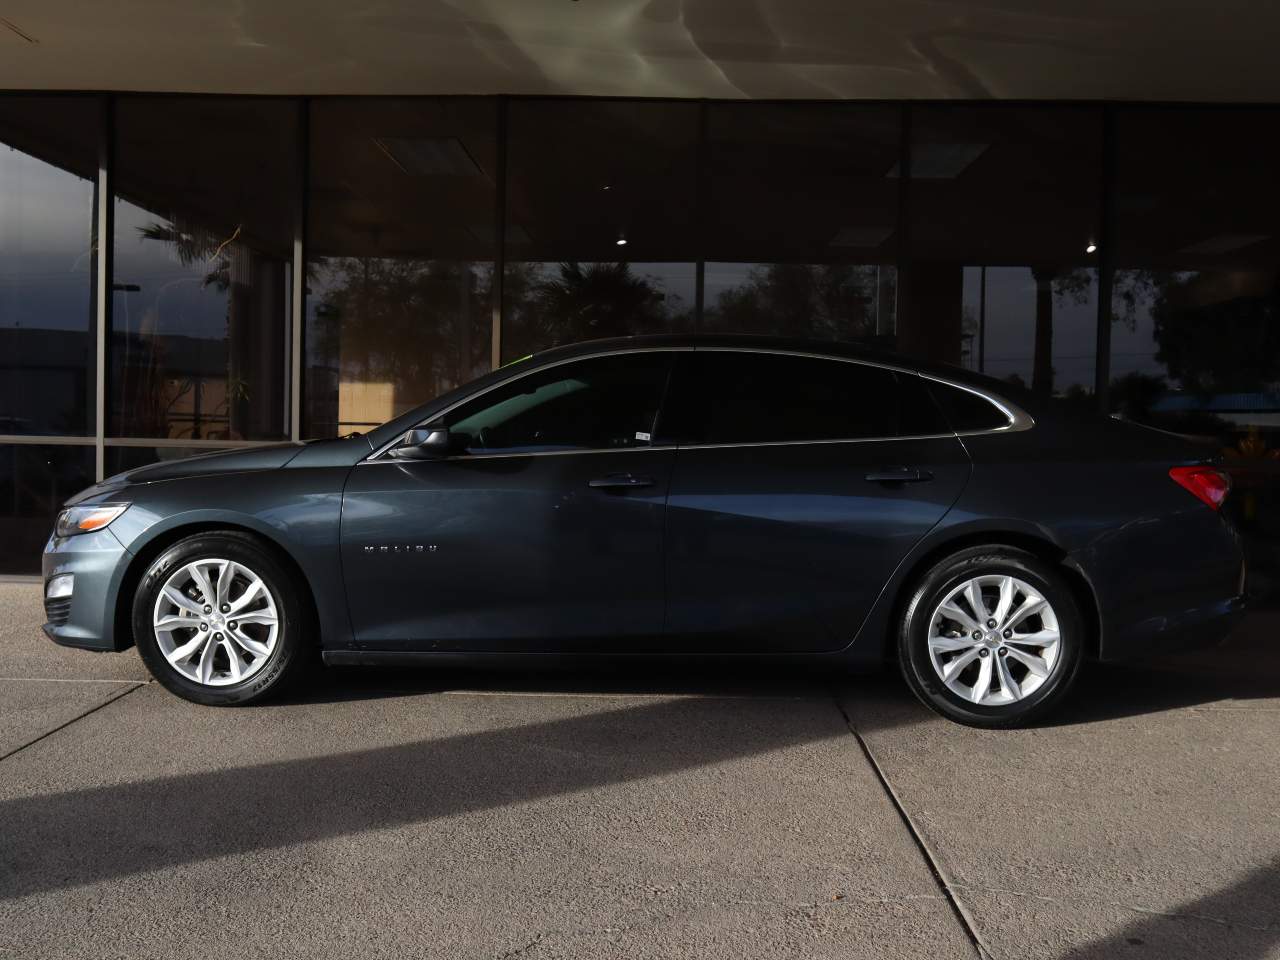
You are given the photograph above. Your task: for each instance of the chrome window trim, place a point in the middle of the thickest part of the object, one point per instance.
(1018, 419)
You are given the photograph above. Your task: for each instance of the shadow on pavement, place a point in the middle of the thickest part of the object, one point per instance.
(83, 836)
(1245, 667)
(1239, 921)
(594, 676)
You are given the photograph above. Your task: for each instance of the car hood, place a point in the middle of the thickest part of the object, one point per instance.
(237, 460)
(204, 464)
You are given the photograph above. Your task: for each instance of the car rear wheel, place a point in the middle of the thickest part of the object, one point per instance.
(991, 637)
(217, 619)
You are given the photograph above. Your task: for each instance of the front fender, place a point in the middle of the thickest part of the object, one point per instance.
(296, 511)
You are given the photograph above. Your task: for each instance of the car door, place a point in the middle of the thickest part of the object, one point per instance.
(800, 483)
(542, 529)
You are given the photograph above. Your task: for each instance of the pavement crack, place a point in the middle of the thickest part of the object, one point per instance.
(76, 719)
(967, 922)
(519, 951)
(1119, 905)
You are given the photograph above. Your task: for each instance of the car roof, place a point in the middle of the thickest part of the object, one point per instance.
(830, 348)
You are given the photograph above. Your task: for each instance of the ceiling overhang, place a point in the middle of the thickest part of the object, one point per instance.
(808, 49)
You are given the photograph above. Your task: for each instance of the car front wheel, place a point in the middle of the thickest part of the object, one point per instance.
(217, 619)
(991, 637)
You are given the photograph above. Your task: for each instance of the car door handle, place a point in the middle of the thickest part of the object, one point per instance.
(899, 475)
(615, 481)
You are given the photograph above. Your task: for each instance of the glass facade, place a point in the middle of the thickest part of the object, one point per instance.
(599, 232)
(34, 481)
(203, 221)
(801, 220)
(401, 247)
(48, 191)
(287, 268)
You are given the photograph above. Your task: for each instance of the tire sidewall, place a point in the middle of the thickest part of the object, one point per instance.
(279, 583)
(913, 647)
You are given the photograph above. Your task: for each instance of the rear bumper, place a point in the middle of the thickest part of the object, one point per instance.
(1192, 628)
(87, 620)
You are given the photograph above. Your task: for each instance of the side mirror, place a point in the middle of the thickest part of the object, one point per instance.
(423, 443)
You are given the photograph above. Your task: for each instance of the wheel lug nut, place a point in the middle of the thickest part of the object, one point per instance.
(984, 652)
(977, 634)
(991, 623)
(231, 625)
(217, 636)
(208, 609)
(1008, 634)
(204, 626)
(1003, 651)
(226, 608)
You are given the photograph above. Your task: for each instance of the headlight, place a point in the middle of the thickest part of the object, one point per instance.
(75, 520)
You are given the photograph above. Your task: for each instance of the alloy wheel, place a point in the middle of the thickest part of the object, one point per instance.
(216, 622)
(994, 640)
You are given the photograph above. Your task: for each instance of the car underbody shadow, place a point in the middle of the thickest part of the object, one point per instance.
(1246, 666)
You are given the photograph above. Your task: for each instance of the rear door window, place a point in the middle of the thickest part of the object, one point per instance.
(721, 397)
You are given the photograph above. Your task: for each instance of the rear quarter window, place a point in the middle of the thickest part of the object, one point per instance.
(967, 412)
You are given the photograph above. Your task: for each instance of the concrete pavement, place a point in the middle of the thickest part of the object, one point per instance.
(663, 812)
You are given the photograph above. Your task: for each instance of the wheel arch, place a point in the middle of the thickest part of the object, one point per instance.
(892, 603)
(122, 619)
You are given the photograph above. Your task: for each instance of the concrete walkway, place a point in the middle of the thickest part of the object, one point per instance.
(655, 813)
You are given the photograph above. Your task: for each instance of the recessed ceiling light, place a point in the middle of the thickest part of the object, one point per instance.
(621, 241)
(1091, 247)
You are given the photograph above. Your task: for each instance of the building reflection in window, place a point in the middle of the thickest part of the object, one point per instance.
(48, 180)
(600, 232)
(204, 214)
(1003, 221)
(800, 225)
(34, 481)
(1195, 337)
(401, 247)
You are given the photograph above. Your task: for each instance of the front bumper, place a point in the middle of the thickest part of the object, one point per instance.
(87, 618)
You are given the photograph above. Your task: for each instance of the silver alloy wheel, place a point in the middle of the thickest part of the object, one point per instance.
(216, 622)
(994, 640)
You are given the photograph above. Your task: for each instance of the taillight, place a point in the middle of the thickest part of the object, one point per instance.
(1208, 483)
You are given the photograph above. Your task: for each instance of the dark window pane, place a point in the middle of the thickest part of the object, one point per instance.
(120, 459)
(601, 404)
(401, 232)
(204, 214)
(600, 233)
(801, 219)
(1195, 333)
(34, 482)
(967, 412)
(731, 397)
(48, 176)
(1001, 273)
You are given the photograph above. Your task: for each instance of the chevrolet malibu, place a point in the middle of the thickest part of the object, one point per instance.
(731, 497)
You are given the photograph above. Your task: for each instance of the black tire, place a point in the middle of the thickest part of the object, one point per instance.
(284, 662)
(913, 647)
